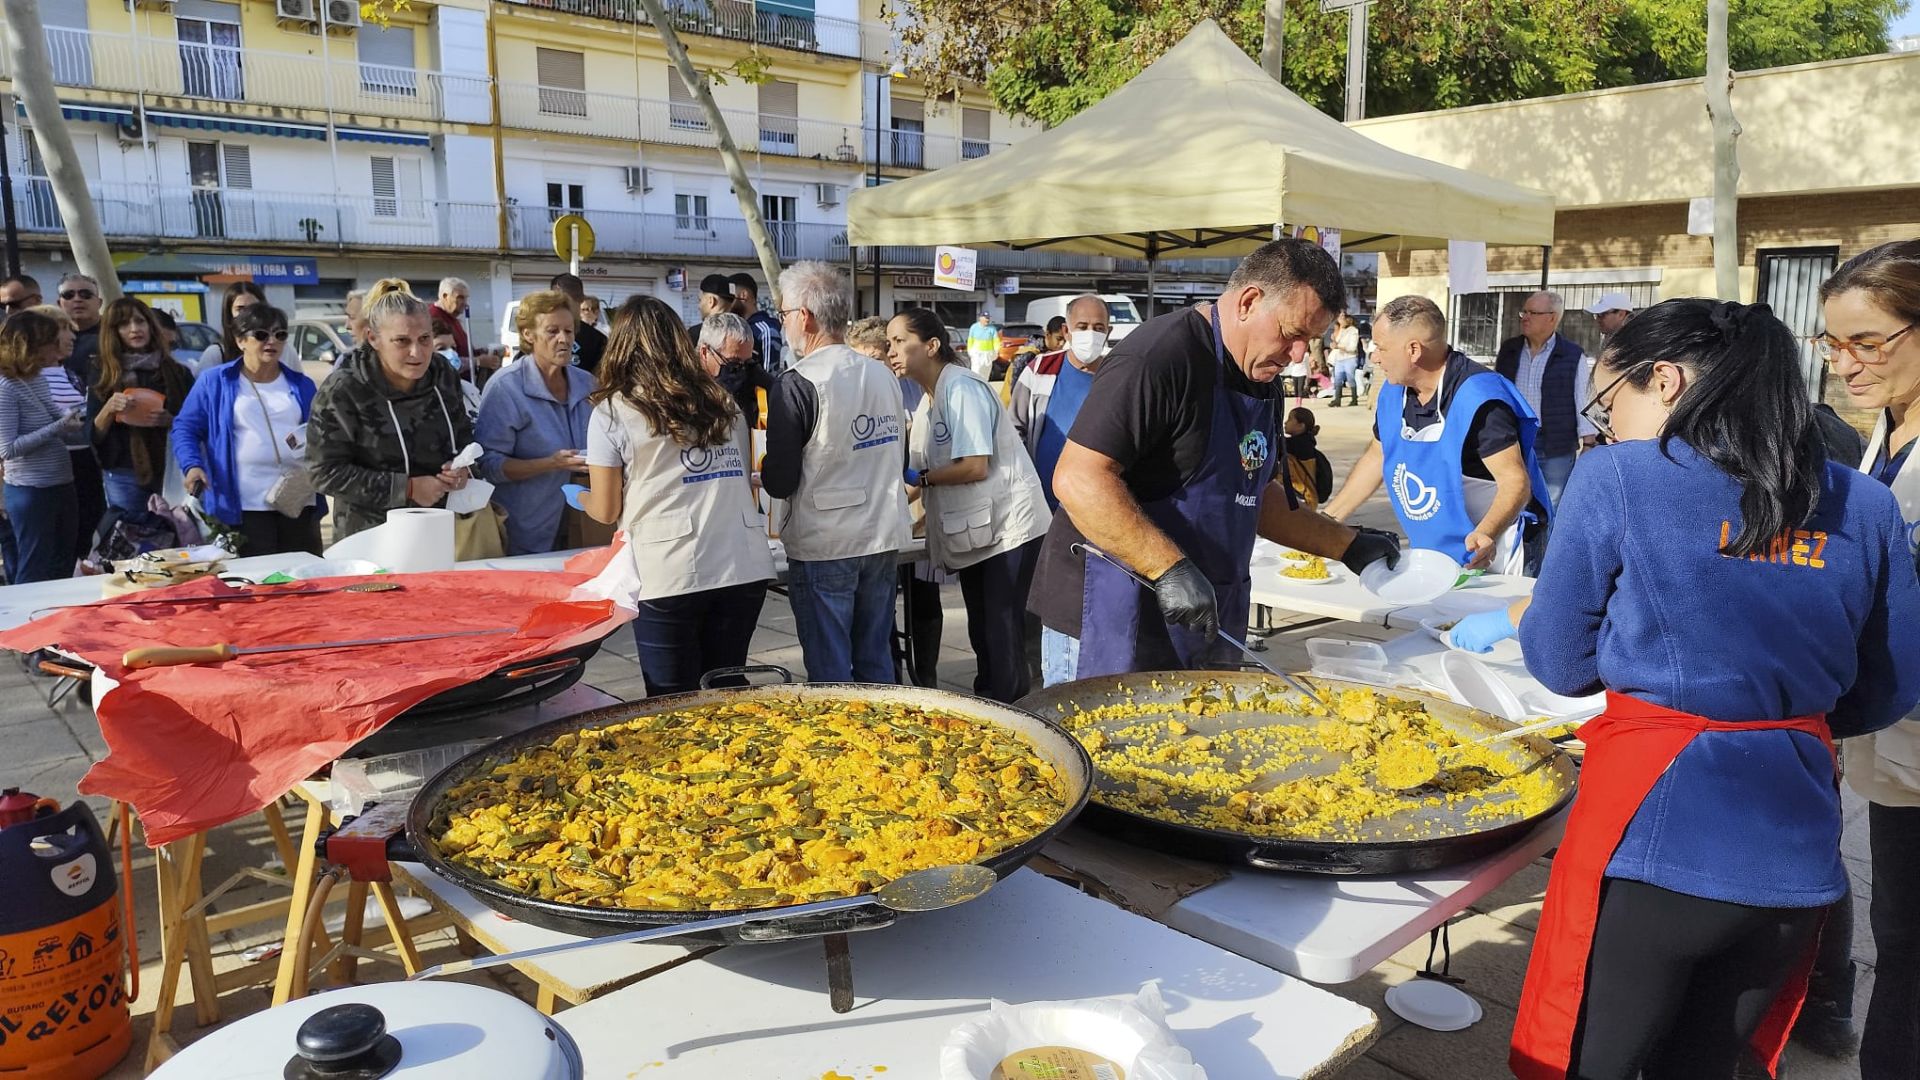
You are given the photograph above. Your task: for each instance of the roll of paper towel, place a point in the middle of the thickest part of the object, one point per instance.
(413, 539)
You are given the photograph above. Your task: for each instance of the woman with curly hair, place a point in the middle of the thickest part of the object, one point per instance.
(668, 458)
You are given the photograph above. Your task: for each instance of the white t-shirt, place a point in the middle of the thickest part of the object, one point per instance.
(253, 446)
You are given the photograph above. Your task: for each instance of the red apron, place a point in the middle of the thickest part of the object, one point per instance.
(1628, 748)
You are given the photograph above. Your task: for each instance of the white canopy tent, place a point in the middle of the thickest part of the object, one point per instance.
(1201, 154)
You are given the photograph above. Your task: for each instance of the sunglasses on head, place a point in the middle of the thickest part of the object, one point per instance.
(77, 294)
(267, 335)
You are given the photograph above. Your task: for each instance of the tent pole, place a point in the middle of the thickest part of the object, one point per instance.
(1546, 264)
(1153, 250)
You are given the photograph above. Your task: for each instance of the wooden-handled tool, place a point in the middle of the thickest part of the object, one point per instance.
(151, 656)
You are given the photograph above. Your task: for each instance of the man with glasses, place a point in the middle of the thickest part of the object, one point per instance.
(1457, 442)
(1552, 374)
(80, 299)
(18, 293)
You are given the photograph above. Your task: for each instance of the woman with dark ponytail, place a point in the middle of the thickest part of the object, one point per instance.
(1743, 602)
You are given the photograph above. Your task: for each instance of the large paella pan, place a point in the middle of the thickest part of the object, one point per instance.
(1237, 767)
(672, 809)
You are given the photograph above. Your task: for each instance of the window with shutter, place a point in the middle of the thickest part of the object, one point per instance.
(779, 117)
(385, 202)
(690, 213)
(683, 110)
(909, 149)
(386, 61)
(975, 124)
(236, 161)
(563, 81)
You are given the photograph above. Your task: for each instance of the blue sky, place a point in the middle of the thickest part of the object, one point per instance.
(1909, 23)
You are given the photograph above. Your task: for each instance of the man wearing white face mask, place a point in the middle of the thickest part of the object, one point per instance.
(1051, 389)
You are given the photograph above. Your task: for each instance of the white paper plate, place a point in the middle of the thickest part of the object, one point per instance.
(1503, 652)
(335, 568)
(1423, 576)
(1434, 1005)
(1333, 575)
(1470, 683)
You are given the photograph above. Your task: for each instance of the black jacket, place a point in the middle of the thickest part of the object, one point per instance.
(356, 453)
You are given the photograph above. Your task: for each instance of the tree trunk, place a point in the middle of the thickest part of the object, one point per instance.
(1726, 158)
(763, 245)
(1275, 37)
(33, 83)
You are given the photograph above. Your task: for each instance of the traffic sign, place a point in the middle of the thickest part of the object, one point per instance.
(572, 240)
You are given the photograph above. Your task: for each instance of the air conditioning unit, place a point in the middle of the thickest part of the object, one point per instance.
(304, 12)
(131, 129)
(342, 15)
(827, 194)
(639, 180)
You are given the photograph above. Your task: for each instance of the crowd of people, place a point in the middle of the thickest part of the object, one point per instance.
(1732, 565)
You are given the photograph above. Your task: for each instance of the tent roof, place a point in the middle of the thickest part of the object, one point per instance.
(1200, 154)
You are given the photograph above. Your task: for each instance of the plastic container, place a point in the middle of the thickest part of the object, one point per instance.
(359, 781)
(1355, 661)
(1070, 1040)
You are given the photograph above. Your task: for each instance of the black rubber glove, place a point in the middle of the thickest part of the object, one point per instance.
(1186, 599)
(1369, 546)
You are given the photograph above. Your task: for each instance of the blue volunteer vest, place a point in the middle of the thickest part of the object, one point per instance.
(1423, 475)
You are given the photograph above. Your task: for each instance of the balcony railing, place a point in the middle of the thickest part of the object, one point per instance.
(734, 19)
(530, 228)
(103, 61)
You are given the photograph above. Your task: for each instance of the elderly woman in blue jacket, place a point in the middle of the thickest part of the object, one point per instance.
(241, 429)
(533, 425)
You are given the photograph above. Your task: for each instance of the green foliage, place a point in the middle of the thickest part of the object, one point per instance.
(1051, 60)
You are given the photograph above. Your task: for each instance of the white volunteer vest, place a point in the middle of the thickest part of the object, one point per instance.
(690, 516)
(850, 501)
(968, 523)
(1885, 766)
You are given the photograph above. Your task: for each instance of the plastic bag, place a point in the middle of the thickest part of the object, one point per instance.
(1131, 1034)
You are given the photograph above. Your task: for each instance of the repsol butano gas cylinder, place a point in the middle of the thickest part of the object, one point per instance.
(63, 1002)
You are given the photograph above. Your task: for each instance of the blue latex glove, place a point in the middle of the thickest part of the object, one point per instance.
(1480, 633)
(912, 476)
(573, 493)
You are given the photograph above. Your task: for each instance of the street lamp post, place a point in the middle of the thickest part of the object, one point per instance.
(1356, 53)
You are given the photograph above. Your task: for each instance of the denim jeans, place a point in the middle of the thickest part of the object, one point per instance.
(1346, 374)
(1059, 657)
(43, 530)
(1556, 470)
(680, 638)
(843, 615)
(125, 494)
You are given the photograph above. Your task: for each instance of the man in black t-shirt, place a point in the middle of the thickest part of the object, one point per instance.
(588, 342)
(1470, 514)
(1169, 469)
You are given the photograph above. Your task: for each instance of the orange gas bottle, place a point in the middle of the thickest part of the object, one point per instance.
(63, 1002)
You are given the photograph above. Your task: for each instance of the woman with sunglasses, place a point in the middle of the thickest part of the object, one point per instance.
(136, 393)
(242, 429)
(1872, 342)
(1743, 602)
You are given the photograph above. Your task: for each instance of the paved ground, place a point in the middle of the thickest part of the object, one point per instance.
(48, 749)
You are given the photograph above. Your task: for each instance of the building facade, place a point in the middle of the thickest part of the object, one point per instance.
(291, 141)
(1829, 166)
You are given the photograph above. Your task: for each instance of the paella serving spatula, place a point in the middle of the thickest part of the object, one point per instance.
(1297, 683)
(923, 890)
(174, 656)
(1408, 777)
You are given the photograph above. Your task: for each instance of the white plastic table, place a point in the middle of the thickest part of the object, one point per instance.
(18, 603)
(1330, 929)
(760, 1012)
(1343, 599)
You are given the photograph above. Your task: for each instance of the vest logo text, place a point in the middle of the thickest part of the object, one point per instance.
(705, 463)
(1417, 499)
(870, 430)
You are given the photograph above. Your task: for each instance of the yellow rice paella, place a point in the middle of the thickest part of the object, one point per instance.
(751, 804)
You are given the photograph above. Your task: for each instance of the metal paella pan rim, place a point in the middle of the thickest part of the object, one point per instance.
(1047, 738)
(1325, 856)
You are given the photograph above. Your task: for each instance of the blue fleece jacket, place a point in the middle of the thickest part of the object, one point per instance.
(202, 435)
(1635, 597)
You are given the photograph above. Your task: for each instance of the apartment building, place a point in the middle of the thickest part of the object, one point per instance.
(294, 142)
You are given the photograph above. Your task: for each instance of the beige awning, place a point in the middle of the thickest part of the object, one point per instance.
(1200, 154)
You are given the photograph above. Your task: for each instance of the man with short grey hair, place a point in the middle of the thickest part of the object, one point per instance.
(80, 298)
(1552, 374)
(450, 309)
(724, 342)
(835, 424)
(1169, 470)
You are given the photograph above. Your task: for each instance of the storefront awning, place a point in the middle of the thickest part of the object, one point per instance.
(240, 124)
(87, 111)
(376, 135)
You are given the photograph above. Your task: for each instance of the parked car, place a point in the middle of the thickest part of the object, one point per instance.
(313, 346)
(1017, 336)
(192, 340)
(510, 326)
(1121, 313)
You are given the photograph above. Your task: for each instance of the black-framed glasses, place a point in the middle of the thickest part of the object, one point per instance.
(264, 336)
(1863, 352)
(21, 304)
(77, 294)
(1600, 414)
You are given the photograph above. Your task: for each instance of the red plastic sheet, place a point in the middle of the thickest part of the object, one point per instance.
(196, 747)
